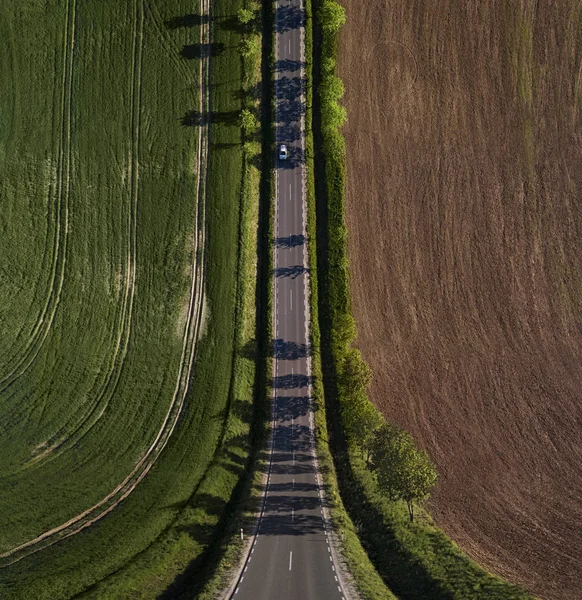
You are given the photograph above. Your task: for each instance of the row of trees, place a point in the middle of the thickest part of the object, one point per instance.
(331, 88)
(248, 20)
(402, 471)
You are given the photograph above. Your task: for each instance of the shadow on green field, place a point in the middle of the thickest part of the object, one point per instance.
(218, 523)
(197, 51)
(193, 118)
(184, 21)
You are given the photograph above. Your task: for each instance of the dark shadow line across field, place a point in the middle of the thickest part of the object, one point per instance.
(186, 21)
(194, 118)
(199, 51)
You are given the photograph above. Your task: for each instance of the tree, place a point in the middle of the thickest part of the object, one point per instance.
(359, 415)
(331, 15)
(245, 16)
(334, 115)
(403, 472)
(361, 420)
(354, 374)
(248, 121)
(344, 328)
(328, 64)
(250, 47)
(331, 88)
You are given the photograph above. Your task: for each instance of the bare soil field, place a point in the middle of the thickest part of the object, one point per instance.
(464, 208)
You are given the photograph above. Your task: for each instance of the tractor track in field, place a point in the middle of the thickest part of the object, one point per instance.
(165, 40)
(63, 439)
(191, 332)
(62, 189)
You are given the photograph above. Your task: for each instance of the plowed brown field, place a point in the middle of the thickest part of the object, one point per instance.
(464, 207)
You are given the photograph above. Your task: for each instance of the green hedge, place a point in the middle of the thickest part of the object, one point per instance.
(368, 582)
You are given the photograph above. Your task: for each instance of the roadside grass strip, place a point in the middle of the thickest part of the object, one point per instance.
(364, 577)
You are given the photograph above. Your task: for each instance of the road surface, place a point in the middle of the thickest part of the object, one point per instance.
(291, 557)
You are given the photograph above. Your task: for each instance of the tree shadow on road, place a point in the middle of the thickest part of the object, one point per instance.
(288, 350)
(287, 65)
(290, 241)
(288, 382)
(288, 18)
(292, 272)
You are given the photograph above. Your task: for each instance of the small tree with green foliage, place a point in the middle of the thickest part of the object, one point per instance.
(245, 16)
(361, 420)
(344, 328)
(331, 88)
(248, 121)
(354, 374)
(402, 470)
(250, 47)
(331, 15)
(334, 115)
(360, 416)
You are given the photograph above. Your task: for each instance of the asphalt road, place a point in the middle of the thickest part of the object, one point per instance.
(290, 557)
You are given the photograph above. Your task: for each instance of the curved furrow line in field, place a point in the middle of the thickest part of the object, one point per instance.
(64, 439)
(45, 319)
(191, 333)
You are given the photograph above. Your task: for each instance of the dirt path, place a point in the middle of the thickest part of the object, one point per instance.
(465, 222)
(191, 328)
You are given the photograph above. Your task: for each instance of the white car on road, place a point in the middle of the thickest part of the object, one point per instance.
(283, 152)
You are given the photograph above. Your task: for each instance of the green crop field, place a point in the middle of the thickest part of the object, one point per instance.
(118, 283)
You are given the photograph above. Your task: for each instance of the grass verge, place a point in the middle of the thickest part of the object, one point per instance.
(415, 561)
(226, 552)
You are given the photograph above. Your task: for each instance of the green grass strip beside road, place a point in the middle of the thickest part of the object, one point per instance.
(416, 561)
(247, 498)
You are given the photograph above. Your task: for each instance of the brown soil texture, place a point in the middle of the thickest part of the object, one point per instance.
(464, 209)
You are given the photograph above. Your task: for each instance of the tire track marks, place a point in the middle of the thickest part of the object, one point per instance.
(173, 48)
(62, 189)
(63, 440)
(191, 333)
